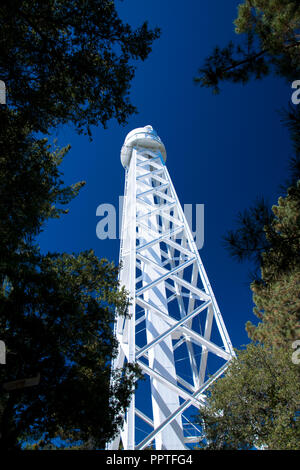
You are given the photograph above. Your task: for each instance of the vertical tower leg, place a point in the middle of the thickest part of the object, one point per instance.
(160, 357)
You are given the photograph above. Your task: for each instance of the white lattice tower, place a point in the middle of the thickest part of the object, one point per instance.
(174, 326)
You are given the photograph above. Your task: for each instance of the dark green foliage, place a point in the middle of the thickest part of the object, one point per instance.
(69, 61)
(232, 63)
(270, 29)
(255, 230)
(256, 404)
(273, 242)
(291, 119)
(277, 292)
(31, 186)
(62, 61)
(249, 241)
(56, 315)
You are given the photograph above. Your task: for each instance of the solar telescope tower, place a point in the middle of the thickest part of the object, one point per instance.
(175, 331)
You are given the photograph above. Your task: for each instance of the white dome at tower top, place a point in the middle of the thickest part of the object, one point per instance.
(141, 137)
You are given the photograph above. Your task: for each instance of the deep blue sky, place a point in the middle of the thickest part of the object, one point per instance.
(223, 151)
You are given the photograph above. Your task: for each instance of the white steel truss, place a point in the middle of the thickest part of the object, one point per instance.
(174, 325)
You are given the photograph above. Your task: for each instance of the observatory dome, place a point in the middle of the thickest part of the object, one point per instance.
(145, 137)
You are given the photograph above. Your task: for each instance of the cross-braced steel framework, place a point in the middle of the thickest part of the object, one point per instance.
(174, 325)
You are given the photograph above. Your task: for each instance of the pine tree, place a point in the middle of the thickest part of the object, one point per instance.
(277, 293)
(56, 318)
(271, 42)
(259, 396)
(69, 61)
(62, 62)
(257, 402)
